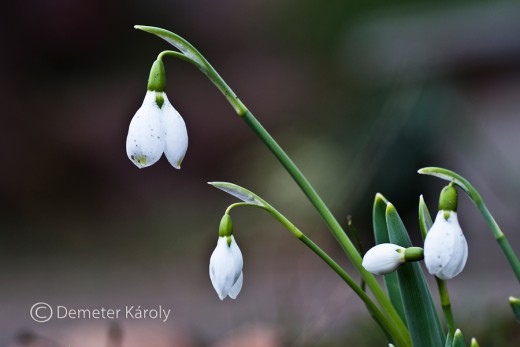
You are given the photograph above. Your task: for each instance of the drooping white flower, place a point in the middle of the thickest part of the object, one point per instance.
(176, 140)
(225, 268)
(156, 129)
(445, 247)
(383, 258)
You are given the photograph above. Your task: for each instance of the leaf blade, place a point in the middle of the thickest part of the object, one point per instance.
(458, 339)
(422, 318)
(381, 236)
(177, 41)
(240, 193)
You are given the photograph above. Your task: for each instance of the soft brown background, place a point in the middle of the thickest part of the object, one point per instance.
(360, 93)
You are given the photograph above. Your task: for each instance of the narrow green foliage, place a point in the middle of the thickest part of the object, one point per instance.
(239, 193)
(515, 305)
(381, 236)
(425, 218)
(474, 343)
(357, 242)
(449, 340)
(422, 319)
(458, 339)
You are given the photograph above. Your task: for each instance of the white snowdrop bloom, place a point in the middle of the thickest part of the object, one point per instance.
(225, 268)
(176, 140)
(445, 248)
(383, 258)
(145, 140)
(156, 129)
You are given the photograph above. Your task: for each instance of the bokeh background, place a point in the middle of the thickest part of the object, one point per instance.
(360, 93)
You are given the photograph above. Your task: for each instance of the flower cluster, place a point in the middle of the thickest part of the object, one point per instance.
(445, 247)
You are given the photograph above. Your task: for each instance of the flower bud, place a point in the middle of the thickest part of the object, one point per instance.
(383, 258)
(225, 268)
(445, 248)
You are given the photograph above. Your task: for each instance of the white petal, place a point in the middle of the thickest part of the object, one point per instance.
(445, 248)
(225, 266)
(233, 293)
(176, 134)
(383, 258)
(146, 136)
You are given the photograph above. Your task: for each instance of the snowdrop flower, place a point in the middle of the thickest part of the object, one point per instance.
(445, 248)
(386, 257)
(225, 264)
(383, 258)
(157, 127)
(225, 268)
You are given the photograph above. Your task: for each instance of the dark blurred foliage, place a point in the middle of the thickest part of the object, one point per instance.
(360, 93)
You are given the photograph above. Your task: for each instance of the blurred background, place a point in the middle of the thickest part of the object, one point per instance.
(360, 93)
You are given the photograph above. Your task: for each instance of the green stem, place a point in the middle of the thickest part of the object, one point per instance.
(238, 204)
(477, 200)
(503, 242)
(327, 216)
(446, 306)
(176, 55)
(383, 320)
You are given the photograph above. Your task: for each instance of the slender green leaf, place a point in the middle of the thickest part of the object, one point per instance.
(458, 339)
(381, 236)
(449, 340)
(357, 242)
(451, 176)
(421, 316)
(474, 343)
(178, 42)
(239, 193)
(515, 305)
(425, 219)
